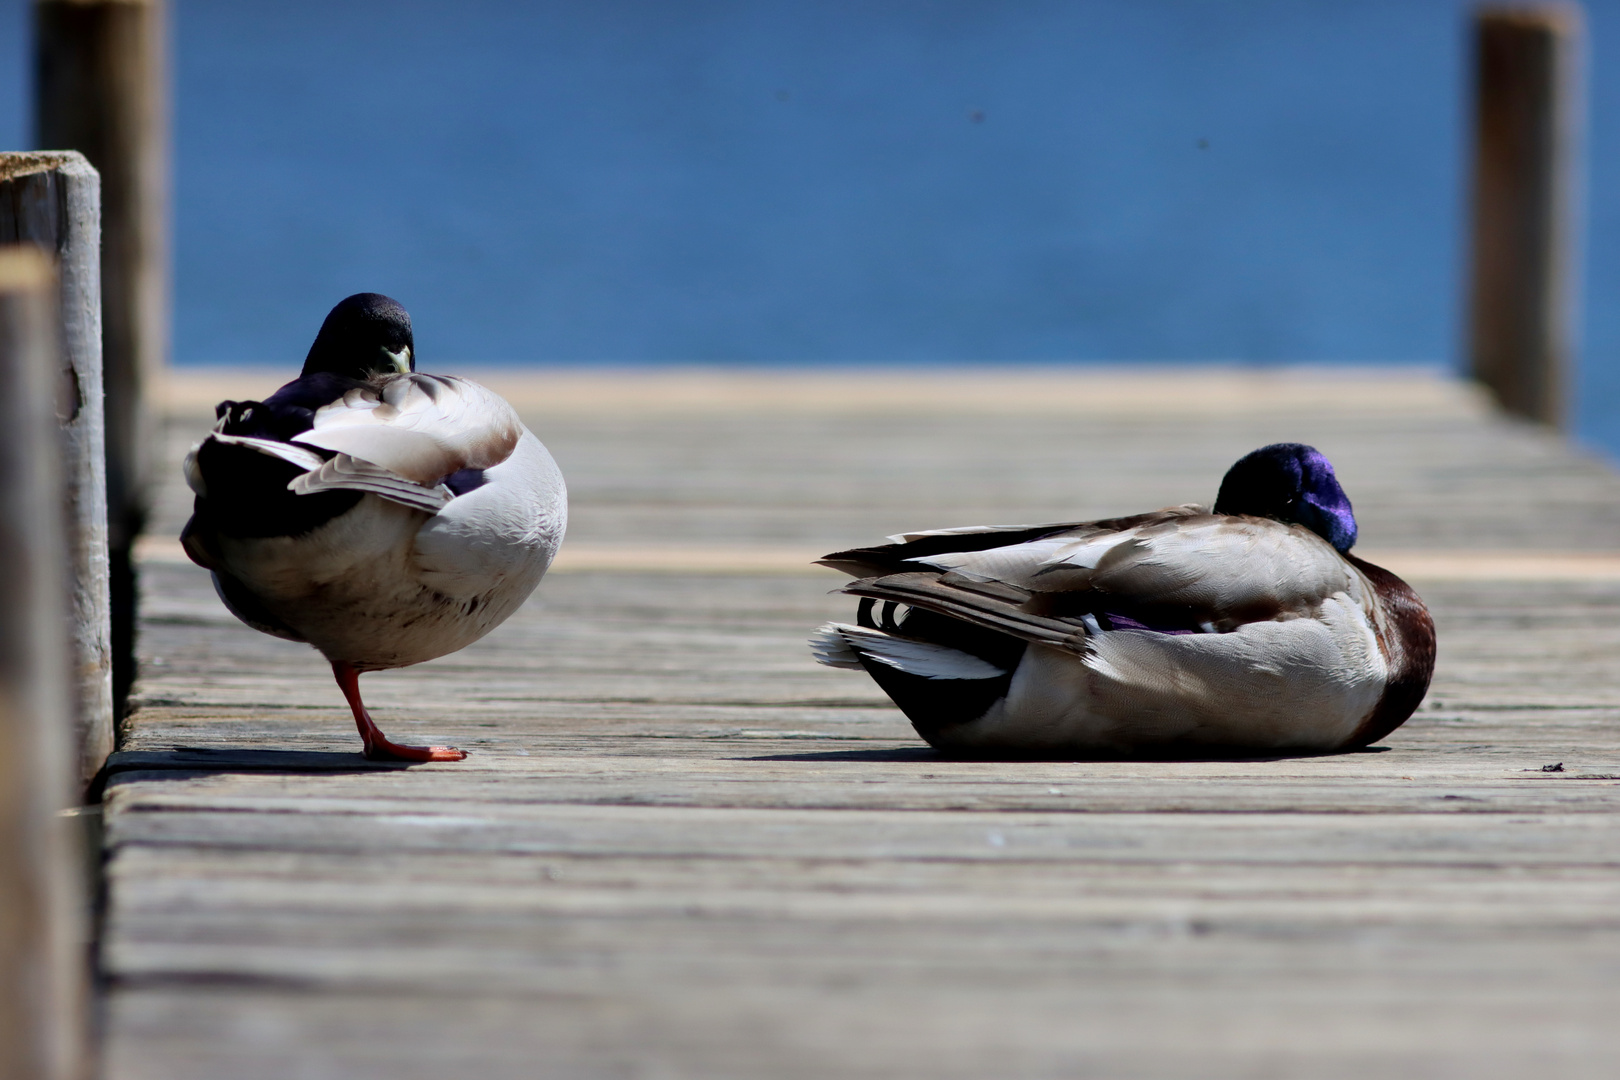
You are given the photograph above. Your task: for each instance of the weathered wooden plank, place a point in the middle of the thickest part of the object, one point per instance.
(1452, 476)
(1419, 566)
(867, 1019)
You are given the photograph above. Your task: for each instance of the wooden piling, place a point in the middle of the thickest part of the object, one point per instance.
(1527, 97)
(101, 89)
(42, 983)
(53, 200)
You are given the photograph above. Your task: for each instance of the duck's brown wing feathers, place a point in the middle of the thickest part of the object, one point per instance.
(1181, 567)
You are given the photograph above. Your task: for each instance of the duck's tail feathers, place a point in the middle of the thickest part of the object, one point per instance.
(832, 649)
(842, 645)
(301, 456)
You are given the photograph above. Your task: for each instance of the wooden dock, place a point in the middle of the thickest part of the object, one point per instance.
(681, 850)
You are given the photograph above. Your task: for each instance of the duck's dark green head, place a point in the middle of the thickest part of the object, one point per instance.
(365, 334)
(1293, 483)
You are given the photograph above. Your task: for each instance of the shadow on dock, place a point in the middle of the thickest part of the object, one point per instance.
(187, 762)
(924, 753)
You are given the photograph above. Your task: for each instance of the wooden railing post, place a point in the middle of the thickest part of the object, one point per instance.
(53, 200)
(42, 978)
(1527, 99)
(101, 89)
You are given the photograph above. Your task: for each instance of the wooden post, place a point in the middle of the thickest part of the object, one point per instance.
(101, 85)
(1526, 125)
(42, 978)
(53, 200)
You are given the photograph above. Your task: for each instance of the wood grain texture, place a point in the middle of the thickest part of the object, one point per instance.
(53, 201)
(680, 849)
(101, 87)
(42, 969)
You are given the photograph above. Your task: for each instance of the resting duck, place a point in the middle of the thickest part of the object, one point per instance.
(382, 516)
(1249, 627)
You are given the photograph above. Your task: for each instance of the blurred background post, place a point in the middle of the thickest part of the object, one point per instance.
(1527, 115)
(42, 969)
(53, 201)
(101, 89)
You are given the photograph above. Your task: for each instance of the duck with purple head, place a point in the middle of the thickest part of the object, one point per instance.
(1246, 628)
(383, 516)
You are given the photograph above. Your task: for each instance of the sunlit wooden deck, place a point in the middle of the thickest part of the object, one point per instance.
(680, 849)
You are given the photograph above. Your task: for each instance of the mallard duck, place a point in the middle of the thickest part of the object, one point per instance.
(383, 516)
(1246, 628)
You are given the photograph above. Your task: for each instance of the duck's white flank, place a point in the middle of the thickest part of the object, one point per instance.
(1304, 683)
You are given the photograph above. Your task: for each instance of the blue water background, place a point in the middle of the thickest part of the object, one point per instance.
(766, 181)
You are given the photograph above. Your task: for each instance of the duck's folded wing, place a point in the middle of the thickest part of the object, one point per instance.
(992, 606)
(399, 441)
(337, 473)
(1208, 571)
(1229, 569)
(420, 428)
(1023, 544)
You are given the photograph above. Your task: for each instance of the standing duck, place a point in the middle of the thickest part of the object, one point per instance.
(382, 516)
(1246, 628)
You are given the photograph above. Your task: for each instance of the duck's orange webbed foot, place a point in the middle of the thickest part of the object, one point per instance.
(378, 747)
(381, 749)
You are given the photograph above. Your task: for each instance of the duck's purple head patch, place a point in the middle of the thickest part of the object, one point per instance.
(1294, 483)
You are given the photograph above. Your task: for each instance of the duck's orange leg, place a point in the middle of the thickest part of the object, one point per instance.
(378, 748)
